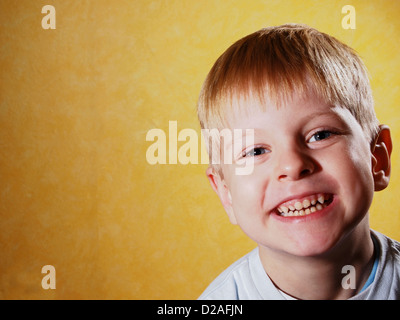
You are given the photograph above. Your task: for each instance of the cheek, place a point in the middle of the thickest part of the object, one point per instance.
(248, 193)
(353, 171)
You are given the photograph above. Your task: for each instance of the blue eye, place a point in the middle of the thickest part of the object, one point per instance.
(320, 135)
(255, 152)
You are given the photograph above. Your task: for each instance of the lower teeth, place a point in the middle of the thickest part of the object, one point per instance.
(304, 212)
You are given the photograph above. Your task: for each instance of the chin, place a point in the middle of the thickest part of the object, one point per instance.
(312, 245)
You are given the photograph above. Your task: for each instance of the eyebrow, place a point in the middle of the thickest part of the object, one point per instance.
(236, 138)
(326, 113)
(330, 114)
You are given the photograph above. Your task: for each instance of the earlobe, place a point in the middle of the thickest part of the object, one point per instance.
(381, 152)
(221, 189)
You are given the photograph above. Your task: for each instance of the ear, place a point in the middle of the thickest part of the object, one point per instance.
(221, 189)
(381, 149)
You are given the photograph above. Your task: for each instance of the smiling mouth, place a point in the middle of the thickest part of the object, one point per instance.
(305, 206)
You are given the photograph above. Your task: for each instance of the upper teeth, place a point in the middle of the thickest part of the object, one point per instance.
(304, 207)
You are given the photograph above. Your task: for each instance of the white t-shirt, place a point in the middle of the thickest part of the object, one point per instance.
(246, 279)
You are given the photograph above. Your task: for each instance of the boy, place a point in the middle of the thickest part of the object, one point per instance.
(318, 154)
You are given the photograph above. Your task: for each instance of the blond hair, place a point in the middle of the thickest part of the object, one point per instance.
(277, 62)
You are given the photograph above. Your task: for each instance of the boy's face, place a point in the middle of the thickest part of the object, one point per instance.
(312, 182)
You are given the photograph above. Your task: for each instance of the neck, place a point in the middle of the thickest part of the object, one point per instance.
(321, 277)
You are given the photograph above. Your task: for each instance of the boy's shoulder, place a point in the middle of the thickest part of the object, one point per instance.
(225, 287)
(242, 281)
(390, 249)
(386, 285)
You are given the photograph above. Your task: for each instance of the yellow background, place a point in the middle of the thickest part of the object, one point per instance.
(76, 191)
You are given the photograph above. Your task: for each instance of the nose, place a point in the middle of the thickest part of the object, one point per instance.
(294, 164)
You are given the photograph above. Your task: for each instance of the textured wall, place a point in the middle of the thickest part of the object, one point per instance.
(76, 191)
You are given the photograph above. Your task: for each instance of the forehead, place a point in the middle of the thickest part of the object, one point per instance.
(247, 111)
